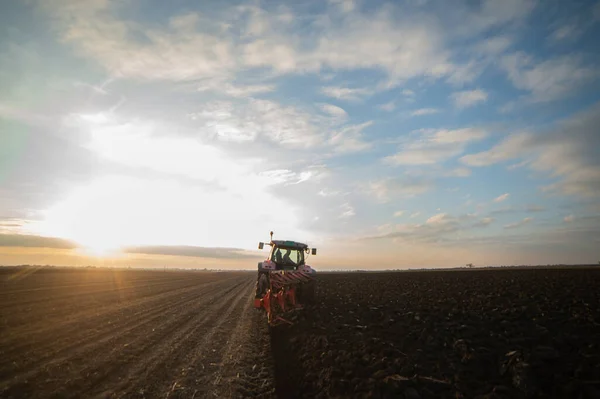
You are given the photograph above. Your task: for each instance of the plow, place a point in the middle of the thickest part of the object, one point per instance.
(285, 283)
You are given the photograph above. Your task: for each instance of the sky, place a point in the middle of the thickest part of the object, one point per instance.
(405, 134)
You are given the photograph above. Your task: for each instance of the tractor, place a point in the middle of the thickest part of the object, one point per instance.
(284, 282)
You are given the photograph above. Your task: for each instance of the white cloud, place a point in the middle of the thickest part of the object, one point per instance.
(414, 215)
(465, 73)
(345, 93)
(439, 218)
(430, 156)
(493, 13)
(385, 190)
(484, 222)
(347, 211)
(230, 41)
(350, 138)
(398, 214)
(277, 176)
(408, 93)
(334, 111)
(566, 32)
(507, 149)
(425, 111)
(433, 230)
(458, 172)
(521, 223)
(200, 45)
(388, 106)
(177, 53)
(569, 150)
(568, 219)
(547, 80)
(430, 147)
(517, 165)
(345, 5)
(327, 193)
(469, 98)
(513, 209)
(316, 173)
(247, 121)
(502, 197)
(238, 91)
(458, 135)
(284, 176)
(133, 144)
(186, 22)
(403, 48)
(520, 245)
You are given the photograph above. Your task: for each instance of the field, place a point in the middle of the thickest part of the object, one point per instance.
(142, 334)
(103, 333)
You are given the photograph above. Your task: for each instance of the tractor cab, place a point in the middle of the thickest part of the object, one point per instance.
(287, 255)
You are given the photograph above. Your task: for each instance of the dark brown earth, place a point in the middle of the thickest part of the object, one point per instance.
(453, 334)
(442, 334)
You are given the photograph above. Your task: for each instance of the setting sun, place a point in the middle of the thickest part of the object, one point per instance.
(99, 251)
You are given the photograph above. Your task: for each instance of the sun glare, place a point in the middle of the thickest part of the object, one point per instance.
(99, 251)
(226, 206)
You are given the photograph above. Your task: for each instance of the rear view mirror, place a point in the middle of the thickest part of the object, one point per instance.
(314, 251)
(261, 245)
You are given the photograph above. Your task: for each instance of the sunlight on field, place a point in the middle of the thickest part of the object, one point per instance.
(22, 273)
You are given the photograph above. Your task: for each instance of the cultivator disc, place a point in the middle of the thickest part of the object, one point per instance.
(285, 292)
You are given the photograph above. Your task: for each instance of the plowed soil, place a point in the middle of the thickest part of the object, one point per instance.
(447, 334)
(103, 333)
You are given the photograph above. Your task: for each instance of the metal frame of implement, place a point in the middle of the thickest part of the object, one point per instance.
(281, 294)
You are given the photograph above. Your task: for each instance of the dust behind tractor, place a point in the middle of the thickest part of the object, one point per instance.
(285, 282)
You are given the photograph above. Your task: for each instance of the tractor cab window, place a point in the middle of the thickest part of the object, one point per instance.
(287, 258)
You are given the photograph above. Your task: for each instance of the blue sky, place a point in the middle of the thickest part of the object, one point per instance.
(389, 134)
